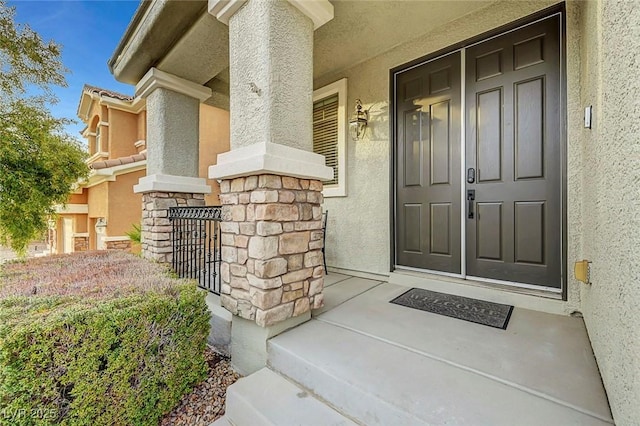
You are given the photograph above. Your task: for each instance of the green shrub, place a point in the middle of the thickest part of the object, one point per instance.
(122, 359)
(135, 234)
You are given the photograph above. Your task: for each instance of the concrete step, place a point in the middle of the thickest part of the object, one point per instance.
(338, 292)
(378, 383)
(266, 398)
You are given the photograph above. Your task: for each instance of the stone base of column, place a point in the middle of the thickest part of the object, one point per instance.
(80, 244)
(121, 245)
(271, 247)
(156, 227)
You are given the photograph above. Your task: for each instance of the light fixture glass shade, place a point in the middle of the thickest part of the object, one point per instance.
(359, 121)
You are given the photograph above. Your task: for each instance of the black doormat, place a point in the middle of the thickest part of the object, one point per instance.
(473, 310)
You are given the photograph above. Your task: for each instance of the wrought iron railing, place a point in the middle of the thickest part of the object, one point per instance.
(196, 244)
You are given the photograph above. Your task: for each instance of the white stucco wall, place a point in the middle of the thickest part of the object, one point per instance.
(271, 95)
(610, 81)
(172, 133)
(603, 173)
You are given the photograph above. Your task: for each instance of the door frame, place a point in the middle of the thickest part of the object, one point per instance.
(461, 47)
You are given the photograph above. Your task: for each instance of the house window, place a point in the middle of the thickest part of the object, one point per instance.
(325, 133)
(329, 134)
(98, 148)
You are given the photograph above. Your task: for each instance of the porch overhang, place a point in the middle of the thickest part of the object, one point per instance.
(184, 39)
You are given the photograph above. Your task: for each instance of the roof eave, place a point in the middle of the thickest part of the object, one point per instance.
(124, 42)
(154, 29)
(84, 106)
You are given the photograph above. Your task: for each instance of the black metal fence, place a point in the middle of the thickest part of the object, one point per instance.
(196, 243)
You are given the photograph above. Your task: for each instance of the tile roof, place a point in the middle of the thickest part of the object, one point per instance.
(105, 92)
(118, 161)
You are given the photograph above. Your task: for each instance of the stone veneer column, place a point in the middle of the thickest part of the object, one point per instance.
(80, 243)
(271, 247)
(156, 228)
(118, 245)
(271, 180)
(173, 117)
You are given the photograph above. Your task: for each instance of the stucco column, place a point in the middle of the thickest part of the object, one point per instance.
(272, 273)
(173, 116)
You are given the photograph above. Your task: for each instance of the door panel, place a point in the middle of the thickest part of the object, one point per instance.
(513, 139)
(413, 229)
(489, 136)
(439, 160)
(529, 128)
(529, 234)
(489, 231)
(428, 166)
(440, 228)
(412, 123)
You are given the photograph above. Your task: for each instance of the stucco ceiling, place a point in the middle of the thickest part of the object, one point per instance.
(197, 48)
(362, 29)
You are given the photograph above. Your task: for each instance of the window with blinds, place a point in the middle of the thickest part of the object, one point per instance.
(325, 133)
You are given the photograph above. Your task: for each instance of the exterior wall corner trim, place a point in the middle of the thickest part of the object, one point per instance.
(155, 79)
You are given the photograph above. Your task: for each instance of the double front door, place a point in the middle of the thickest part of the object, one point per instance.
(478, 160)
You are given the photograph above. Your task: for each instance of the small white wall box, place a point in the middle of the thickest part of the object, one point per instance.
(587, 117)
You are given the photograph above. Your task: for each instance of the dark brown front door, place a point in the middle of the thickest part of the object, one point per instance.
(513, 146)
(511, 203)
(428, 165)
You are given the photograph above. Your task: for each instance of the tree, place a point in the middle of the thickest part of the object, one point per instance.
(39, 163)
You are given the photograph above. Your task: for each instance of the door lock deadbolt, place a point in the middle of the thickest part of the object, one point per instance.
(471, 175)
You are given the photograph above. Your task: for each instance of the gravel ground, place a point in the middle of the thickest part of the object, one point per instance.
(206, 403)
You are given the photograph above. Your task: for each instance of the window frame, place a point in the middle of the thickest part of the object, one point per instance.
(337, 88)
(97, 138)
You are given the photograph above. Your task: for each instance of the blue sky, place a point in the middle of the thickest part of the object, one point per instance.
(89, 32)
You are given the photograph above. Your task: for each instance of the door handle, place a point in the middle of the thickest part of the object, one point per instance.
(471, 196)
(471, 175)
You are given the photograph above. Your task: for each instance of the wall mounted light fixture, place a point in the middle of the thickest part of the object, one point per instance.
(101, 224)
(358, 122)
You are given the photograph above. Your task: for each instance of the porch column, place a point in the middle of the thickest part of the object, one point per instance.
(271, 190)
(173, 115)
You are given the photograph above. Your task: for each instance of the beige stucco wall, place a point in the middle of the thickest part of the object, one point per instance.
(142, 125)
(92, 233)
(119, 134)
(59, 243)
(97, 199)
(125, 206)
(123, 133)
(115, 200)
(214, 139)
(610, 208)
(80, 223)
(94, 111)
(78, 198)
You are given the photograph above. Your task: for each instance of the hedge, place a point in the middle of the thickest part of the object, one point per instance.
(126, 360)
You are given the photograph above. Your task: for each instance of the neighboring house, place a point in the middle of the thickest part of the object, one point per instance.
(501, 148)
(34, 249)
(102, 209)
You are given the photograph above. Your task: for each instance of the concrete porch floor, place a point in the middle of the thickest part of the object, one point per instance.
(374, 362)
